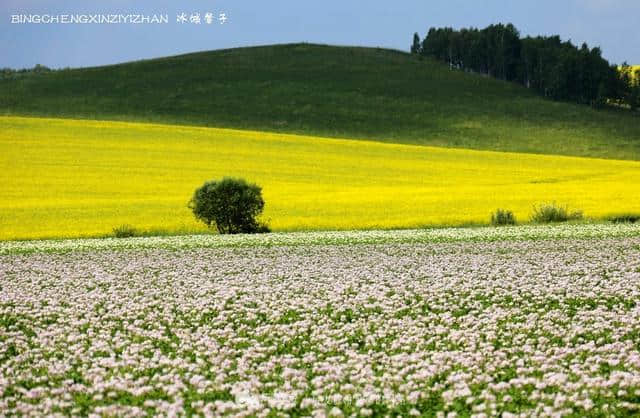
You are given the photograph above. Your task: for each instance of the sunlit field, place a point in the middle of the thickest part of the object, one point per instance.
(528, 320)
(73, 178)
(327, 91)
(633, 69)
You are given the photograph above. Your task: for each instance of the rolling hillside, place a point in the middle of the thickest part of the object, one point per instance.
(347, 92)
(70, 178)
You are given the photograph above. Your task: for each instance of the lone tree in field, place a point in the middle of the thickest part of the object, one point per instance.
(231, 204)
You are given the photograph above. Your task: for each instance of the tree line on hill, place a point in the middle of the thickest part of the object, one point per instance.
(557, 70)
(11, 73)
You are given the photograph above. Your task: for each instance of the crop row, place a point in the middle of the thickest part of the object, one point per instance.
(543, 327)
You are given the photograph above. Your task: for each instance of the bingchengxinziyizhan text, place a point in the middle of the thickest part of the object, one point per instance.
(195, 18)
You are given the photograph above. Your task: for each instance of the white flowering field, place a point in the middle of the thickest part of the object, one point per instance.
(538, 321)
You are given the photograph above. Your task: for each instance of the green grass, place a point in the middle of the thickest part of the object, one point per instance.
(348, 92)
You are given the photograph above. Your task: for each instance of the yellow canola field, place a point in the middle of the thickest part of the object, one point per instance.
(632, 72)
(72, 178)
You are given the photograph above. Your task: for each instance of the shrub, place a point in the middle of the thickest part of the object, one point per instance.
(503, 217)
(124, 231)
(551, 212)
(231, 205)
(630, 218)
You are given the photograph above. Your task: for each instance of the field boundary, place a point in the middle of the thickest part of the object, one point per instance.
(287, 239)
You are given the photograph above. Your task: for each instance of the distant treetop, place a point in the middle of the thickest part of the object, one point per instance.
(558, 70)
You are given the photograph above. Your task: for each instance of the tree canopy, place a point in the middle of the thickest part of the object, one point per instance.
(556, 69)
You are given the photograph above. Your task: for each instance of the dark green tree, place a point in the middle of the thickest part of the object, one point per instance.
(555, 69)
(231, 205)
(416, 45)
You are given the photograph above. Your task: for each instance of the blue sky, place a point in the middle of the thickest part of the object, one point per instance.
(610, 24)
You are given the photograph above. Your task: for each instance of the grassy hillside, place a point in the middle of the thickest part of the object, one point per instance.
(328, 91)
(69, 178)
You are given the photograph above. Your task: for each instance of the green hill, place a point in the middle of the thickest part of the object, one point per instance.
(344, 92)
